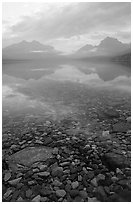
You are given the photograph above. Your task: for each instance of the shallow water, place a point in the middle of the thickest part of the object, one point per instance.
(54, 90)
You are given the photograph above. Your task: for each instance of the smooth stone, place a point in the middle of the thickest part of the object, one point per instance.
(30, 155)
(43, 174)
(80, 178)
(28, 193)
(92, 199)
(90, 174)
(43, 199)
(94, 182)
(65, 164)
(7, 176)
(15, 181)
(75, 184)
(37, 199)
(8, 193)
(100, 177)
(57, 171)
(100, 193)
(55, 151)
(60, 193)
(57, 183)
(42, 167)
(73, 193)
(83, 194)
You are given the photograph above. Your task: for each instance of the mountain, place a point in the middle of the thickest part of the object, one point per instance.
(28, 50)
(107, 47)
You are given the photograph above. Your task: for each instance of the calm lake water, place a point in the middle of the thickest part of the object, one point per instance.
(78, 90)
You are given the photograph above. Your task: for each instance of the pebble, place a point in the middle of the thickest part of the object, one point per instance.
(57, 183)
(75, 184)
(8, 192)
(43, 174)
(15, 181)
(55, 151)
(58, 171)
(42, 167)
(28, 193)
(94, 182)
(7, 176)
(36, 199)
(60, 193)
(100, 177)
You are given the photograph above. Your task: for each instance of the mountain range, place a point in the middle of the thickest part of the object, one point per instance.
(108, 47)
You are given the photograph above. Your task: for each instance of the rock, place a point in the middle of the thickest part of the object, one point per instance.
(36, 199)
(7, 176)
(8, 193)
(30, 155)
(75, 184)
(43, 199)
(118, 171)
(100, 193)
(57, 183)
(55, 151)
(43, 174)
(111, 113)
(114, 179)
(38, 142)
(57, 171)
(20, 199)
(47, 141)
(92, 199)
(94, 182)
(78, 199)
(74, 193)
(128, 119)
(68, 187)
(113, 160)
(79, 178)
(121, 127)
(28, 193)
(15, 181)
(100, 177)
(90, 174)
(65, 164)
(83, 194)
(105, 135)
(60, 193)
(42, 167)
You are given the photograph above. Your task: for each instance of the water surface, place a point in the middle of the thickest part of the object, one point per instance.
(75, 90)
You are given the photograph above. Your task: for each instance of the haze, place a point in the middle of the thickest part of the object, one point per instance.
(66, 26)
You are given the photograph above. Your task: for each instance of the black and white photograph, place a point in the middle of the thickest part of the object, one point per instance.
(66, 101)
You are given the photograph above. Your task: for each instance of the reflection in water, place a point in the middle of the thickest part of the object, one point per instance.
(57, 90)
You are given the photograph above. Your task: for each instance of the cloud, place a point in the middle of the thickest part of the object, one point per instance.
(55, 21)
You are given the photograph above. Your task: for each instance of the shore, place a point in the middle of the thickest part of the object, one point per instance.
(53, 162)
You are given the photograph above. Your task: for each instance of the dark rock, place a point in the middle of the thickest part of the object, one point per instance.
(121, 127)
(74, 193)
(100, 194)
(113, 160)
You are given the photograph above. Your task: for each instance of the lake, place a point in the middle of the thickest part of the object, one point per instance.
(80, 91)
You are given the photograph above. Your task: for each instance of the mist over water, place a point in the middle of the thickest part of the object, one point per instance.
(60, 89)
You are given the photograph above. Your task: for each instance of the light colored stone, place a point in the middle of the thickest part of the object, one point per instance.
(60, 193)
(75, 184)
(43, 174)
(37, 199)
(7, 176)
(15, 181)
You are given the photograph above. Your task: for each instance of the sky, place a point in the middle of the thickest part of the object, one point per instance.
(68, 25)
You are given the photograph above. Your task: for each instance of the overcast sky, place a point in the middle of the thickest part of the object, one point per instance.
(66, 26)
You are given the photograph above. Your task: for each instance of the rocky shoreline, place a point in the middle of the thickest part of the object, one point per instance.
(52, 164)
